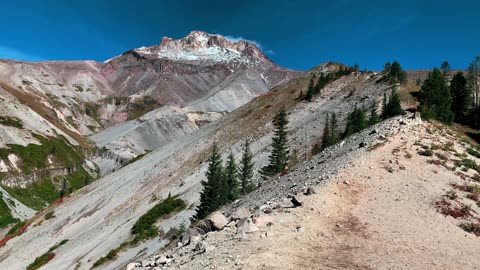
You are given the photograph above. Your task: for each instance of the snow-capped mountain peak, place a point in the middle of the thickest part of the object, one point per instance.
(201, 46)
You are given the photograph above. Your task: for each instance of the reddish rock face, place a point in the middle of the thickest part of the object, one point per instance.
(186, 69)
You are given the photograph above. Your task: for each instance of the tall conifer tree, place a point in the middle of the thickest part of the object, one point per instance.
(279, 157)
(461, 97)
(246, 170)
(435, 98)
(231, 179)
(212, 195)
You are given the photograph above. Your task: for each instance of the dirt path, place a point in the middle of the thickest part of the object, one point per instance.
(378, 214)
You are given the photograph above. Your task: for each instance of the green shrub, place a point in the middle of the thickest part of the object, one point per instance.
(425, 152)
(470, 164)
(452, 195)
(50, 215)
(473, 189)
(473, 152)
(111, 254)
(16, 227)
(46, 257)
(11, 121)
(435, 147)
(441, 156)
(144, 228)
(471, 228)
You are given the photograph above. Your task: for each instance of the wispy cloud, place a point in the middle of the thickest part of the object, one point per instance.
(256, 43)
(237, 39)
(13, 54)
(270, 52)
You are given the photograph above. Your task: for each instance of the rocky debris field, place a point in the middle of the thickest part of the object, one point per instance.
(366, 203)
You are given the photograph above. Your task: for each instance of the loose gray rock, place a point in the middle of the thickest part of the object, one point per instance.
(188, 235)
(245, 226)
(241, 213)
(161, 260)
(295, 202)
(133, 266)
(310, 191)
(218, 220)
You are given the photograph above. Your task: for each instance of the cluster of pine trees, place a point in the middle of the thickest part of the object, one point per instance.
(226, 184)
(314, 88)
(455, 100)
(357, 121)
(394, 72)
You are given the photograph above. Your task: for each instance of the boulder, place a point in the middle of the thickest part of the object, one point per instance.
(148, 263)
(263, 220)
(187, 236)
(241, 213)
(295, 202)
(218, 220)
(418, 118)
(310, 191)
(162, 260)
(194, 239)
(133, 266)
(245, 226)
(203, 246)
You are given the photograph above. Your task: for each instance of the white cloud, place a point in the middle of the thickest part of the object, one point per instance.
(237, 39)
(256, 43)
(13, 54)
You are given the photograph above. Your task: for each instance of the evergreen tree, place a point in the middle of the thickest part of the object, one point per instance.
(326, 135)
(246, 170)
(394, 72)
(321, 82)
(384, 106)
(231, 179)
(212, 196)
(393, 107)
(461, 97)
(311, 89)
(374, 118)
(387, 67)
(333, 129)
(445, 67)
(279, 157)
(435, 98)
(356, 121)
(473, 85)
(397, 73)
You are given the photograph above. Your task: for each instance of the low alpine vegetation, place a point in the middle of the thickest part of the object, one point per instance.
(471, 228)
(145, 228)
(11, 121)
(46, 257)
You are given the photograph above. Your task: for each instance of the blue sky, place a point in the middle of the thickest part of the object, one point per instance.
(295, 34)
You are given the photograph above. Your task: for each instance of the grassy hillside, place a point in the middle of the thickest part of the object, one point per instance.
(6, 217)
(34, 156)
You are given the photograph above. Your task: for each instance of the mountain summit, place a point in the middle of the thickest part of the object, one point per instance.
(201, 46)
